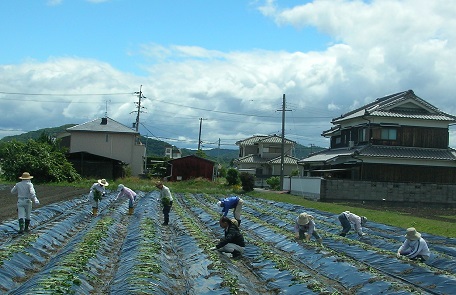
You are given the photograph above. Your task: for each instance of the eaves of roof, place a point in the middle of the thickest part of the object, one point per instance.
(251, 159)
(286, 160)
(379, 151)
(96, 126)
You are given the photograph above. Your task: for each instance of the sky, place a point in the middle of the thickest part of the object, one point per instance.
(218, 71)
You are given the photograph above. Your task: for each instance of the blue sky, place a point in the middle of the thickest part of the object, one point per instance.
(228, 62)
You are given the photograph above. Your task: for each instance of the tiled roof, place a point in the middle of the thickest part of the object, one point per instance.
(97, 126)
(327, 155)
(390, 106)
(264, 139)
(286, 160)
(251, 159)
(408, 152)
(380, 151)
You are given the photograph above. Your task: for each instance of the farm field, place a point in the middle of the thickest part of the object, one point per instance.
(69, 251)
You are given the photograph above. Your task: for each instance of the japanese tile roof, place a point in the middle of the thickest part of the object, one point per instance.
(380, 151)
(393, 106)
(408, 152)
(263, 139)
(97, 126)
(252, 159)
(286, 160)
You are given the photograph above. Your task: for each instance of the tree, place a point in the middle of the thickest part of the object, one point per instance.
(248, 181)
(232, 176)
(42, 159)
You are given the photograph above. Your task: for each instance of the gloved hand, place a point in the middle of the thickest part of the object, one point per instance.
(361, 234)
(213, 248)
(398, 255)
(36, 200)
(296, 235)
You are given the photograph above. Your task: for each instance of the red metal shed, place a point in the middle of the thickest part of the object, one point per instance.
(190, 167)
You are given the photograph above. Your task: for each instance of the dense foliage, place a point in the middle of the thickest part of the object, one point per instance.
(274, 182)
(42, 158)
(248, 181)
(232, 177)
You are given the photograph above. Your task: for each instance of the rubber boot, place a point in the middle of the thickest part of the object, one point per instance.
(239, 222)
(21, 225)
(27, 223)
(131, 211)
(320, 241)
(94, 211)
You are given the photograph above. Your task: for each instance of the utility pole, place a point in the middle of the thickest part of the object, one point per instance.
(199, 137)
(282, 156)
(139, 107)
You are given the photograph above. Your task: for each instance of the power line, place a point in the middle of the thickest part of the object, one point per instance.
(64, 94)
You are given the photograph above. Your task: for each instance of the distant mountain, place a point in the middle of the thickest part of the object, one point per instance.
(36, 134)
(156, 148)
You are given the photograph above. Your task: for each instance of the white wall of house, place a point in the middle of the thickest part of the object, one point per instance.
(119, 146)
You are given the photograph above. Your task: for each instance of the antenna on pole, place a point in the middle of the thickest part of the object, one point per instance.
(139, 107)
(106, 109)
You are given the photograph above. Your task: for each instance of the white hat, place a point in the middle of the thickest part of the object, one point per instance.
(120, 187)
(219, 204)
(303, 219)
(103, 182)
(412, 234)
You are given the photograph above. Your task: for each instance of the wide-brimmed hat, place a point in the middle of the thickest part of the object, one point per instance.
(120, 187)
(235, 222)
(26, 175)
(220, 204)
(103, 182)
(412, 234)
(303, 219)
(363, 220)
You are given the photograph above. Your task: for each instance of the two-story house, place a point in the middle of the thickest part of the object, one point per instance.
(396, 138)
(261, 155)
(99, 147)
(173, 152)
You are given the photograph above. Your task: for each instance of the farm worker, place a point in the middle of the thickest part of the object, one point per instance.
(414, 246)
(233, 242)
(305, 228)
(166, 200)
(97, 192)
(233, 202)
(126, 192)
(346, 218)
(25, 194)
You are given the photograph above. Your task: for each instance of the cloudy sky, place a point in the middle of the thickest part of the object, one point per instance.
(221, 65)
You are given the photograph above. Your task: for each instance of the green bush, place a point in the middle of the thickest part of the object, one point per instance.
(274, 182)
(232, 176)
(248, 181)
(42, 159)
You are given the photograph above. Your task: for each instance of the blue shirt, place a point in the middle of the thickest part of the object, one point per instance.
(229, 203)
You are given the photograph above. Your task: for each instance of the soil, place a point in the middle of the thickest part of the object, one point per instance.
(47, 194)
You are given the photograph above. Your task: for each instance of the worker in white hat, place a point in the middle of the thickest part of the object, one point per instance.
(25, 195)
(97, 192)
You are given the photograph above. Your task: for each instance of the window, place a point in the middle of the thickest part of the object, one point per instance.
(389, 134)
(362, 134)
(338, 140)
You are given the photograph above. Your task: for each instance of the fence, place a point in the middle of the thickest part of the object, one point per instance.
(370, 191)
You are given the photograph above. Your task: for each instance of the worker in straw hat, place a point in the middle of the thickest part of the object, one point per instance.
(414, 246)
(124, 191)
(25, 195)
(97, 192)
(232, 202)
(347, 218)
(305, 228)
(233, 240)
(166, 200)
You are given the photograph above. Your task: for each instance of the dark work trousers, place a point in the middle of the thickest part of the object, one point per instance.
(166, 210)
(346, 226)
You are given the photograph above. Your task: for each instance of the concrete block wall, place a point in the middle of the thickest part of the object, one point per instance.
(348, 190)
